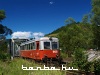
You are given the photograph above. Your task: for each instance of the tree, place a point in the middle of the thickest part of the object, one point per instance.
(80, 58)
(81, 61)
(2, 15)
(85, 19)
(96, 21)
(96, 12)
(4, 31)
(70, 21)
(76, 36)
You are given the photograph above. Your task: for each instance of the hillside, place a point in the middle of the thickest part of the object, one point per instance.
(55, 32)
(63, 28)
(74, 35)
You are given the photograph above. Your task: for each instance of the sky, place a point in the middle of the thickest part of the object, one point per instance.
(41, 16)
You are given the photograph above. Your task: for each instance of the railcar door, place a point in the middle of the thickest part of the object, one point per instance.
(37, 45)
(37, 51)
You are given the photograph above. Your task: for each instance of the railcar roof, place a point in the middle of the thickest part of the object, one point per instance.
(40, 39)
(48, 38)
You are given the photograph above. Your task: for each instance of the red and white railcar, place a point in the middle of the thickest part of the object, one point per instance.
(38, 49)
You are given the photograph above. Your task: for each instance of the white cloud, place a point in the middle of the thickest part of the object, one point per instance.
(51, 2)
(25, 35)
(20, 34)
(38, 34)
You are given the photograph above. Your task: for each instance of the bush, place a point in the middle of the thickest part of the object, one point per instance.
(97, 67)
(4, 56)
(80, 60)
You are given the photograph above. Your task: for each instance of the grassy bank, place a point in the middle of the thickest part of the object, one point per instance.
(14, 67)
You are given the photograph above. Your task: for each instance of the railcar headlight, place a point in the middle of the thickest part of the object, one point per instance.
(55, 51)
(37, 53)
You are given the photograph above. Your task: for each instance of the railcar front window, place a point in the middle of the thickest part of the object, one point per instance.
(54, 45)
(46, 45)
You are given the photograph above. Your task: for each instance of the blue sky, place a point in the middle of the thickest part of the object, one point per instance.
(42, 15)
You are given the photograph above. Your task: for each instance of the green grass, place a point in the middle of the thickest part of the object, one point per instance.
(14, 67)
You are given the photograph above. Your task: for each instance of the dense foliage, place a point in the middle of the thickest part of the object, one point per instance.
(96, 21)
(97, 67)
(4, 31)
(76, 36)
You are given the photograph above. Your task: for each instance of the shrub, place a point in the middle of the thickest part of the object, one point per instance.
(97, 67)
(4, 56)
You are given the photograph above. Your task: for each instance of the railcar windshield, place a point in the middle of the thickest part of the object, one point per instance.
(54, 45)
(46, 45)
(51, 45)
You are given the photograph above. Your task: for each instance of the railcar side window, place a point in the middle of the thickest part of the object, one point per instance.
(54, 45)
(33, 45)
(22, 47)
(25, 46)
(46, 45)
(29, 46)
